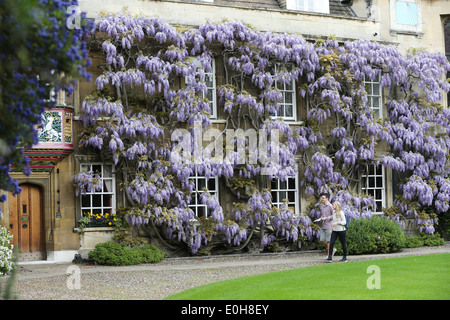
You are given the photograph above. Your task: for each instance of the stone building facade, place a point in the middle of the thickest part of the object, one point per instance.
(44, 217)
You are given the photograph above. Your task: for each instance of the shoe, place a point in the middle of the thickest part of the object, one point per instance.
(344, 259)
(334, 251)
(329, 259)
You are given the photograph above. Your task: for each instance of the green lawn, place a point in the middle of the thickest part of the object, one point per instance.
(419, 277)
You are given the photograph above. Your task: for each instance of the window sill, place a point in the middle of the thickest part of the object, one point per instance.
(94, 229)
(395, 32)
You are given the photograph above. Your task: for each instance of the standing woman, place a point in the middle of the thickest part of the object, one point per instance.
(338, 230)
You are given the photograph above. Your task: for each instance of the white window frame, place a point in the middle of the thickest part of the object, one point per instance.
(374, 183)
(406, 28)
(212, 88)
(285, 91)
(106, 180)
(318, 6)
(196, 205)
(281, 189)
(374, 92)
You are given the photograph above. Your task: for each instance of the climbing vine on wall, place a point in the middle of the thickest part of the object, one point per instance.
(153, 83)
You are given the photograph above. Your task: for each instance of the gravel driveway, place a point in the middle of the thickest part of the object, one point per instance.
(156, 281)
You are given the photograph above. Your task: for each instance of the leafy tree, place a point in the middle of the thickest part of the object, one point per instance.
(152, 86)
(39, 52)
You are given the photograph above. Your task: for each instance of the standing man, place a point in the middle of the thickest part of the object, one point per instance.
(326, 210)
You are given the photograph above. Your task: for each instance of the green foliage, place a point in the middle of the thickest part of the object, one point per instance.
(119, 254)
(374, 235)
(414, 242)
(150, 253)
(424, 239)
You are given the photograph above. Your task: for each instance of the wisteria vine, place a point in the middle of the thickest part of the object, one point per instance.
(153, 82)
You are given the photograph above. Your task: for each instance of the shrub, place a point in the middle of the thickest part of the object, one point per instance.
(150, 253)
(424, 239)
(414, 242)
(119, 254)
(374, 235)
(432, 240)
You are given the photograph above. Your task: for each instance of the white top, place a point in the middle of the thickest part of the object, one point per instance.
(340, 222)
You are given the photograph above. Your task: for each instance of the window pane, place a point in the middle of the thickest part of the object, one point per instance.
(97, 169)
(96, 200)
(378, 194)
(201, 211)
(288, 112)
(291, 183)
(107, 171)
(209, 95)
(379, 206)
(289, 85)
(280, 85)
(376, 89)
(291, 196)
(107, 186)
(275, 196)
(375, 102)
(274, 184)
(209, 80)
(85, 201)
(288, 97)
(201, 183)
(212, 185)
(107, 200)
(379, 182)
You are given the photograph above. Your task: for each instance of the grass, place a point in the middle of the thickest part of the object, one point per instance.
(407, 278)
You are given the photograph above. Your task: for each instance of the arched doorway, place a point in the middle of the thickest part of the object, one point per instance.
(26, 222)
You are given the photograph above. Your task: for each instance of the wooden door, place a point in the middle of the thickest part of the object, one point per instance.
(25, 220)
